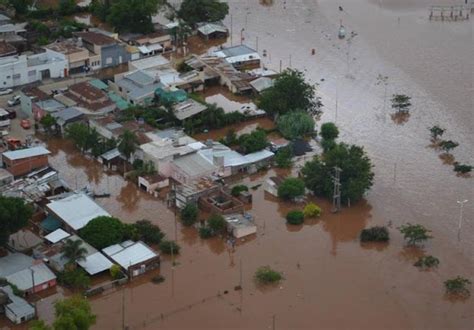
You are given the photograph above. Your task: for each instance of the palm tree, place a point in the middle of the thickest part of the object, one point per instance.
(127, 144)
(73, 251)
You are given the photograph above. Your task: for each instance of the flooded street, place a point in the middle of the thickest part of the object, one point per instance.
(331, 280)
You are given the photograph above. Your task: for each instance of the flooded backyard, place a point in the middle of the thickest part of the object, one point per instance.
(331, 279)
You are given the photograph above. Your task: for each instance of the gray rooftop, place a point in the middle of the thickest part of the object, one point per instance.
(18, 306)
(23, 279)
(194, 165)
(14, 262)
(26, 153)
(68, 114)
(238, 51)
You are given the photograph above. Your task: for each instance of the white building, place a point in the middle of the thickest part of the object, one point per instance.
(22, 70)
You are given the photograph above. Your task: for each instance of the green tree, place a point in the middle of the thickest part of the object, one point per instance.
(216, 223)
(448, 145)
(14, 215)
(291, 188)
(297, 124)
(462, 168)
(74, 278)
(67, 7)
(148, 232)
(311, 210)
(236, 190)
(374, 234)
(356, 176)
(115, 272)
(73, 313)
(283, 157)
(255, 141)
(329, 131)
(169, 247)
(127, 144)
(133, 15)
(414, 234)
(427, 262)
(49, 123)
(21, 6)
(81, 136)
(74, 251)
(401, 102)
(103, 231)
(295, 217)
(290, 93)
(189, 214)
(458, 286)
(436, 132)
(196, 11)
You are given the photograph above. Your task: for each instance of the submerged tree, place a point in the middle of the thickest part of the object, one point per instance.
(295, 124)
(196, 11)
(290, 93)
(401, 102)
(415, 234)
(448, 145)
(427, 262)
(436, 132)
(458, 286)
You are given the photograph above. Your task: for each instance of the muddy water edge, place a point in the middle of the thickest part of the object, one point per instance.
(331, 280)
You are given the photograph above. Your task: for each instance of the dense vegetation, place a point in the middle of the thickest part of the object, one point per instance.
(374, 234)
(14, 215)
(266, 275)
(291, 188)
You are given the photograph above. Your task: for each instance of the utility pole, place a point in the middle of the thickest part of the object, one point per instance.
(461, 206)
(123, 308)
(231, 31)
(273, 322)
(336, 199)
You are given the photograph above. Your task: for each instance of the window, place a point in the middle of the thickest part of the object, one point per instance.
(8, 77)
(17, 76)
(32, 73)
(109, 60)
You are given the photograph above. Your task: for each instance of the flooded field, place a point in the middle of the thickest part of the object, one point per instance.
(331, 280)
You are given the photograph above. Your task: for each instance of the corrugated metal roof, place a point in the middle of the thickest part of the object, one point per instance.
(129, 254)
(76, 210)
(195, 165)
(26, 153)
(19, 306)
(23, 279)
(95, 263)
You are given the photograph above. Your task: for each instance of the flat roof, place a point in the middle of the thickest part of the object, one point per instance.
(95, 263)
(57, 235)
(195, 165)
(130, 253)
(26, 153)
(76, 210)
(19, 306)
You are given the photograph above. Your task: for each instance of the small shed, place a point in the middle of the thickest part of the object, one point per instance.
(57, 235)
(215, 30)
(17, 309)
(152, 183)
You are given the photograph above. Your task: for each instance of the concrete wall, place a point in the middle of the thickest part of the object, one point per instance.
(114, 55)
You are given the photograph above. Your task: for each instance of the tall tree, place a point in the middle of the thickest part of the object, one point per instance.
(290, 93)
(196, 11)
(14, 215)
(74, 251)
(133, 15)
(356, 176)
(73, 313)
(127, 144)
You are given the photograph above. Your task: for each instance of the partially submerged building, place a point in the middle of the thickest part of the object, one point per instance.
(240, 224)
(16, 309)
(135, 258)
(241, 57)
(23, 161)
(75, 210)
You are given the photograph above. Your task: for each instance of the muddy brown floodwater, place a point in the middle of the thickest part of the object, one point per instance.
(331, 280)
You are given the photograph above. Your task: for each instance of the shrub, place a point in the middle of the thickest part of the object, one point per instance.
(426, 262)
(295, 217)
(266, 275)
(115, 272)
(216, 223)
(103, 231)
(312, 210)
(158, 279)
(415, 233)
(189, 214)
(74, 278)
(16, 291)
(374, 234)
(168, 247)
(458, 286)
(329, 131)
(283, 157)
(205, 232)
(296, 124)
(291, 188)
(253, 142)
(238, 189)
(462, 168)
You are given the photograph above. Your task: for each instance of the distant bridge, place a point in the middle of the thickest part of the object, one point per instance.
(451, 13)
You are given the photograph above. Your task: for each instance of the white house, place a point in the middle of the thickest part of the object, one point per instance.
(22, 70)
